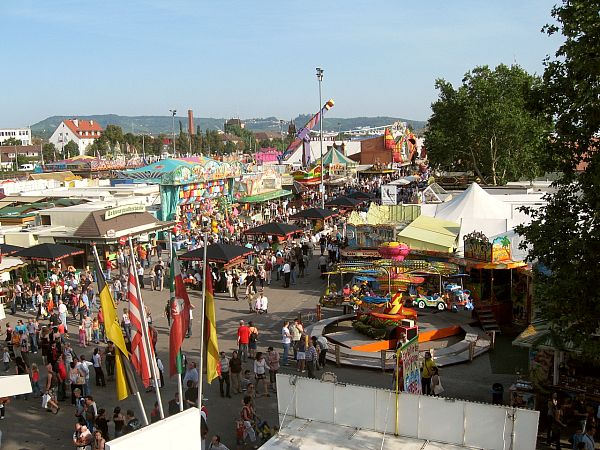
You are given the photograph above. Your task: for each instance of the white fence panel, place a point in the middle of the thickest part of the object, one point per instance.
(408, 415)
(286, 400)
(315, 400)
(385, 411)
(479, 420)
(526, 426)
(441, 420)
(355, 406)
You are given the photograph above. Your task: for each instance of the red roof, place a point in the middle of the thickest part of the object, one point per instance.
(79, 127)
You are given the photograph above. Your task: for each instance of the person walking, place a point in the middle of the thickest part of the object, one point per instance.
(224, 377)
(286, 340)
(253, 339)
(273, 363)
(235, 371)
(427, 373)
(311, 358)
(243, 339)
(287, 273)
(260, 372)
(97, 363)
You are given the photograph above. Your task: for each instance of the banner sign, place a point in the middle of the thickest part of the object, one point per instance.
(389, 194)
(478, 246)
(121, 210)
(411, 370)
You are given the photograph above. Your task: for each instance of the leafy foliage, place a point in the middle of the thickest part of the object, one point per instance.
(71, 149)
(565, 234)
(485, 125)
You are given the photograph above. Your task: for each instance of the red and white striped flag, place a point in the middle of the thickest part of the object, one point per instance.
(139, 353)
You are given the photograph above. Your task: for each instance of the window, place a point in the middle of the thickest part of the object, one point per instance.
(46, 220)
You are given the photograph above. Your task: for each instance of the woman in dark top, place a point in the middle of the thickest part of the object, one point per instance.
(119, 421)
(22, 369)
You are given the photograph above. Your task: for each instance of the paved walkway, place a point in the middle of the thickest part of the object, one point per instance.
(27, 426)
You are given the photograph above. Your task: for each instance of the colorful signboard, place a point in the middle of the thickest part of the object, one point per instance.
(121, 210)
(408, 356)
(478, 246)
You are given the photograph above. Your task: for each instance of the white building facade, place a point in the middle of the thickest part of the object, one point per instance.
(20, 134)
(82, 132)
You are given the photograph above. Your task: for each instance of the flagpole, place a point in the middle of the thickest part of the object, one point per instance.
(202, 312)
(179, 381)
(124, 360)
(146, 338)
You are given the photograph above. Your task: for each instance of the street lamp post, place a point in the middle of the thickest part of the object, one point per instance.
(173, 112)
(322, 186)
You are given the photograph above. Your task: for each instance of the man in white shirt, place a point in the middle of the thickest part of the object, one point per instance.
(262, 303)
(286, 340)
(62, 313)
(287, 269)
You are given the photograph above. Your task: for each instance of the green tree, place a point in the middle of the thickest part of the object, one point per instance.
(564, 235)
(11, 141)
(113, 134)
(99, 147)
(486, 126)
(49, 152)
(71, 149)
(183, 143)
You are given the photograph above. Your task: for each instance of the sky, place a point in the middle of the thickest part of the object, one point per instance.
(254, 58)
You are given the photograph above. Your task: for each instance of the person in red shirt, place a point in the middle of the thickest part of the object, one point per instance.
(243, 338)
(109, 268)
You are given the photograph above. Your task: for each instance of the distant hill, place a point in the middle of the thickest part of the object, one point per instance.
(155, 125)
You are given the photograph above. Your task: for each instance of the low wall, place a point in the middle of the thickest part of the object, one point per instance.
(450, 421)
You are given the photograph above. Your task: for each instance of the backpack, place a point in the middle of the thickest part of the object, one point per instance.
(15, 339)
(253, 337)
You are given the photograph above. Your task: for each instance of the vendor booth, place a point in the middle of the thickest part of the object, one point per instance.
(187, 186)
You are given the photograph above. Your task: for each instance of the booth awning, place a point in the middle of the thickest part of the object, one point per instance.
(501, 265)
(539, 335)
(265, 196)
(11, 263)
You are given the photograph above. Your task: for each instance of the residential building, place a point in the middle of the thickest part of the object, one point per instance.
(82, 132)
(20, 134)
(8, 154)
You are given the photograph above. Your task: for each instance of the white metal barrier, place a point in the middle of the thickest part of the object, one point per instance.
(451, 421)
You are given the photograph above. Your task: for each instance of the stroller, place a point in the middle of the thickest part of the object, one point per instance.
(250, 432)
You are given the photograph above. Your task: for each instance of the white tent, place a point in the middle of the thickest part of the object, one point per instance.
(474, 203)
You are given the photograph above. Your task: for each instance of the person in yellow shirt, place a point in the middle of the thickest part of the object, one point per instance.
(426, 373)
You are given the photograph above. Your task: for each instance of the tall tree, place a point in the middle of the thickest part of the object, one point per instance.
(114, 134)
(71, 149)
(49, 152)
(486, 126)
(565, 234)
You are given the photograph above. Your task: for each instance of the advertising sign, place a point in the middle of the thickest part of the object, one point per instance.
(408, 356)
(389, 194)
(121, 210)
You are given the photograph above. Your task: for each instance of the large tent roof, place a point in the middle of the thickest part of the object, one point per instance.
(474, 203)
(334, 156)
(221, 253)
(177, 171)
(429, 233)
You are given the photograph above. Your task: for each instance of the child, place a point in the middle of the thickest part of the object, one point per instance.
(35, 379)
(6, 359)
(82, 335)
(246, 380)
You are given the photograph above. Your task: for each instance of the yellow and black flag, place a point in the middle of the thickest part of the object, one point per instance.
(123, 375)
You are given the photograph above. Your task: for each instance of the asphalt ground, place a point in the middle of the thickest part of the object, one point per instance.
(28, 427)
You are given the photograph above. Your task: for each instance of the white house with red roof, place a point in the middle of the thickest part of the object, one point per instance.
(82, 132)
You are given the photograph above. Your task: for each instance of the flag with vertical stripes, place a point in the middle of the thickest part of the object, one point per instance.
(210, 324)
(180, 316)
(125, 383)
(139, 352)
